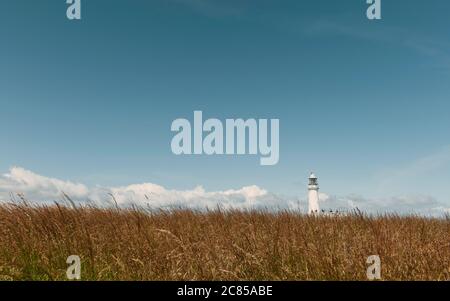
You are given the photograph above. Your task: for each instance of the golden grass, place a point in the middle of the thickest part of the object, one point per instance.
(134, 244)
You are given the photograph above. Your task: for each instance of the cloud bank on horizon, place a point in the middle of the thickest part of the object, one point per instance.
(44, 190)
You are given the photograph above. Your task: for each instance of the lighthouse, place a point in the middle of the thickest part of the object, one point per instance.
(313, 195)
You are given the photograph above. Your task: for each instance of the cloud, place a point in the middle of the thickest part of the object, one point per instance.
(158, 196)
(27, 182)
(40, 189)
(429, 46)
(412, 204)
(419, 168)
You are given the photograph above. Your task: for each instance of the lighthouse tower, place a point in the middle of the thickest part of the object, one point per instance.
(313, 195)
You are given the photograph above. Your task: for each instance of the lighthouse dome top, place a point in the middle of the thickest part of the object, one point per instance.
(312, 176)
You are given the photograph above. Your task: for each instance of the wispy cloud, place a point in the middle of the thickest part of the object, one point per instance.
(419, 168)
(430, 46)
(412, 204)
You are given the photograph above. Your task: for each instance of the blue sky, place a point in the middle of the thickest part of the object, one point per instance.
(364, 104)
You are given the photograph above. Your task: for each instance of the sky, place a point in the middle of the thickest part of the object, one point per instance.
(87, 106)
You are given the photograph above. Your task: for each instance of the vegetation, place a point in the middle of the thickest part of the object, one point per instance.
(138, 244)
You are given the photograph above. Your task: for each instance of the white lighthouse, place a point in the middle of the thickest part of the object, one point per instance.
(313, 195)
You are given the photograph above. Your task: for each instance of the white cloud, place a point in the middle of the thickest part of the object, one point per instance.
(37, 188)
(41, 189)
(413, 204)
(20, 180)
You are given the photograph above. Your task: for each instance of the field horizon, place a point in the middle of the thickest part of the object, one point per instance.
(180, 244)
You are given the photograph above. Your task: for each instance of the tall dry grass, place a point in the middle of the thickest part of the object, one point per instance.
(134, 244)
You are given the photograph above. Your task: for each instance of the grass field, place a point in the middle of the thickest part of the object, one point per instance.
(134, 244)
